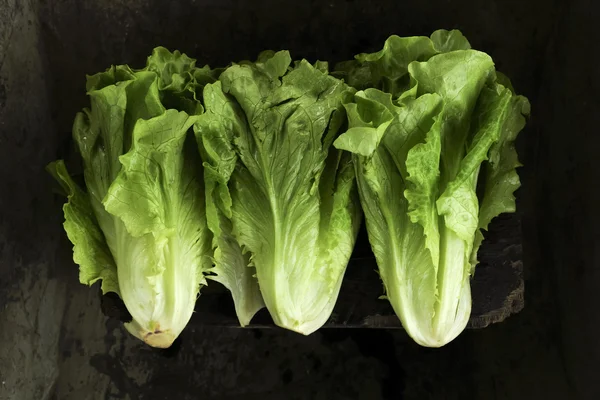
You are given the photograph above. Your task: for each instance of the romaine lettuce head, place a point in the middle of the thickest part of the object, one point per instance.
(140, 224)
(432, 137)
(281, 197)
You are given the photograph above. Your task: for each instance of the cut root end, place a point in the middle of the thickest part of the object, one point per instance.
(159, 339)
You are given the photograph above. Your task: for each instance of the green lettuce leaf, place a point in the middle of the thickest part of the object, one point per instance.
(158, 195)
(387, 69)
(89, 246)
(500, 170)
(144, 191)
(232, 266)
(398, 243)
(292, 200)
(180, 82)
(446, 115)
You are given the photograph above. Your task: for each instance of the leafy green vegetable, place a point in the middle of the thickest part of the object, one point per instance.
(387, 69)
(432, 123)
(141, 226)
(90, 249)
(232, 267)
(279, 193)
(264, 197)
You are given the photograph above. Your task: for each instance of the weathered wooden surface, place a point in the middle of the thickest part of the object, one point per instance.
(497, 289)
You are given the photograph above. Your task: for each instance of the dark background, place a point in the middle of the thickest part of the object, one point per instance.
(56, 344)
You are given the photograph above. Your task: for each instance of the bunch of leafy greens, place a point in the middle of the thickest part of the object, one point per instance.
(140, 226)
(432, 136)
(279, 196)
(267, 196)
(240, 175)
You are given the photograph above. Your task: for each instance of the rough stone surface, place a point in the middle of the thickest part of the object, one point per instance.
(54, 341)
(32, 296)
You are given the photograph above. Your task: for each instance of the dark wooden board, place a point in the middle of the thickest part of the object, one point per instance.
(497, 288)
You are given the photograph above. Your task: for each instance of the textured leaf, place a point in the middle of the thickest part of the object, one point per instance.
(445, 41)
(215, 131)
(145, 191)
(387, 69)
(292, 207)
(398, 243)
(417, 178)
(180, 82)
(157, 194)
(90, 251)
(500, 170)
